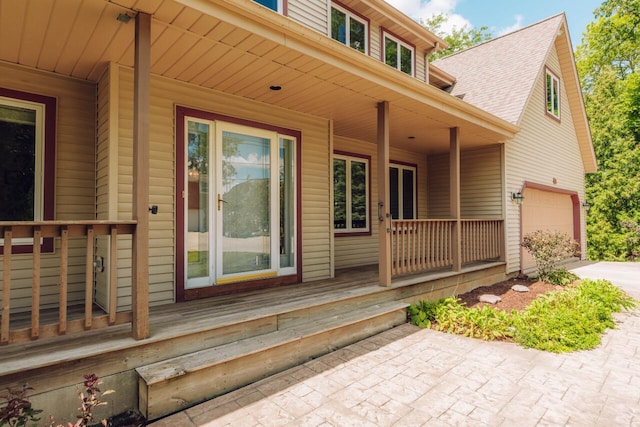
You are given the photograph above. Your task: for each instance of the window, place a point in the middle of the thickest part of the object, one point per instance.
(553, 95)
(27, 150)
(402, 188)
(398, 54)
(275, 5)
(349, 29)
(350, 194)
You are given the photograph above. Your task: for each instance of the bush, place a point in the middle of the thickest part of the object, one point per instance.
(570, 319)
(548, 248)
(561, 277)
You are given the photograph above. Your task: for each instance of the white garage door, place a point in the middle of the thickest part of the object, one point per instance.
(545, 210)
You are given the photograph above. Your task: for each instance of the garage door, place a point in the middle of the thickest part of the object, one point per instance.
(545, 210)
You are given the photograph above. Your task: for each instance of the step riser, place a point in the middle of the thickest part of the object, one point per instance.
(175, 394)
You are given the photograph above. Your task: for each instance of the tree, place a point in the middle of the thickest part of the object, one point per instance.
(607, 61)
(458, 39)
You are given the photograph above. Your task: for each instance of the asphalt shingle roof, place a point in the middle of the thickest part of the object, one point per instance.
(498, 75)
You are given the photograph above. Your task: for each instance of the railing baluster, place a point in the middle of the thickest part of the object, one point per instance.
(35, 285)
(88, 291)
(113, 274)
(64, 279)
(6, 286)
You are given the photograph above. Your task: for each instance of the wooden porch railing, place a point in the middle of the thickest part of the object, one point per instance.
(425, 244)
(481, 239)
(421, 244)
(61, 231)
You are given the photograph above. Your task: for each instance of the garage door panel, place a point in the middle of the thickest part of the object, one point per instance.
(545, 210)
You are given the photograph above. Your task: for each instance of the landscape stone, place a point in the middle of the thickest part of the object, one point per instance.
(491, 299)
(520, 288)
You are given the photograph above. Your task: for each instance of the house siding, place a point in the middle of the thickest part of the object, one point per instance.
(312, 13)
(165, 95)
(352, 251)
(544, 152)
(75, 180)
(480, 184)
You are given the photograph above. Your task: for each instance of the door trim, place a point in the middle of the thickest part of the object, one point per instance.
(224, 288)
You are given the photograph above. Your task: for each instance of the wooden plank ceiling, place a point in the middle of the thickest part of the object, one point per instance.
(78, 38)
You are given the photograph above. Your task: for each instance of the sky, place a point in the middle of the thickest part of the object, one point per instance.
(503, 16)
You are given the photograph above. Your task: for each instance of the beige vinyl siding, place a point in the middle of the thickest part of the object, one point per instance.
(352, 251)
(480, 184)
(545, 150)
(312, 13)
(75, 180)
(165, 95)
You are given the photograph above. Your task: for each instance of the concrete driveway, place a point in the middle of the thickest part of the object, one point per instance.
(626, 275)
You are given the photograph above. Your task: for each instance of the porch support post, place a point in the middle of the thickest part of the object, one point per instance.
(383, 217)
(454, 196)
(140, 262)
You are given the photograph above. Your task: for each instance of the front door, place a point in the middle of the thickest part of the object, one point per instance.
(236, 203)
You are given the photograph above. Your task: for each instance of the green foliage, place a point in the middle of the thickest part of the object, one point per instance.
(607, 62)
(18, 411)
(448, 315)
(458, 39)
(561, 276)
(548, 248)
(570, 319)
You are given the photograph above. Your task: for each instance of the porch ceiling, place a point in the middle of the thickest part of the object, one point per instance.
(239, 47)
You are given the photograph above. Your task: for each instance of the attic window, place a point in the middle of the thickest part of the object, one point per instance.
(552, 84)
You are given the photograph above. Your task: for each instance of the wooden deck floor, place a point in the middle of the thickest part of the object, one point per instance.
(175, 320)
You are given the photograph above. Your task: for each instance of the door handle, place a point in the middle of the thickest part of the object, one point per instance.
(220, 201)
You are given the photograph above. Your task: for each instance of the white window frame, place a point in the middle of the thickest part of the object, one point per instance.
(400, 189)
(280, 6)
(38, 186)
(387, 35)
(349, 159)
(553, 92)
(349, 16)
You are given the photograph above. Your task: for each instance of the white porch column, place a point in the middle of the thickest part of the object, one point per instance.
(454, 195)
(140, 262)
(384, 216)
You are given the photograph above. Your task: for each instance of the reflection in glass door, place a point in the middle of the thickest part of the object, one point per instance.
(244, 203)
(240, 198)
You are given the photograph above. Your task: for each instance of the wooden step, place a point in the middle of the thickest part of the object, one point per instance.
(177, 383)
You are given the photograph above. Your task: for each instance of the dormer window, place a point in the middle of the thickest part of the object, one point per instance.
(275, 5)
(349, 28)
(399, 54)
(553, 94)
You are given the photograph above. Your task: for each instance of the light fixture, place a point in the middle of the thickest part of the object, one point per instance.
(586, 206)
(517, 198)
(275, 87)
(123, 17)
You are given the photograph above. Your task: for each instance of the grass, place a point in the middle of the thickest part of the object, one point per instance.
(566, 320)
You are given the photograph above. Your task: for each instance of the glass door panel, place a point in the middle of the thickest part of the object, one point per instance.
(244, 203)
(199, 255)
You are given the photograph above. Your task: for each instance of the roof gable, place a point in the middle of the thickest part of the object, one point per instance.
(499, 75)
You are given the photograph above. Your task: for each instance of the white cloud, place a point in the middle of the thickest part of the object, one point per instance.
(422, 9)
(511, 28)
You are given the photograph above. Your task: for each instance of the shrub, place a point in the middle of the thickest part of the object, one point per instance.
(548, 248)
(561, 277)
(18, 411)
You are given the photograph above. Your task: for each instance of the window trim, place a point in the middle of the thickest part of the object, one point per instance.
(281, 7)
(363, 159)
(554, 78)
(401, 42)
(408, 166)
(350, 13)
(48, 150)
